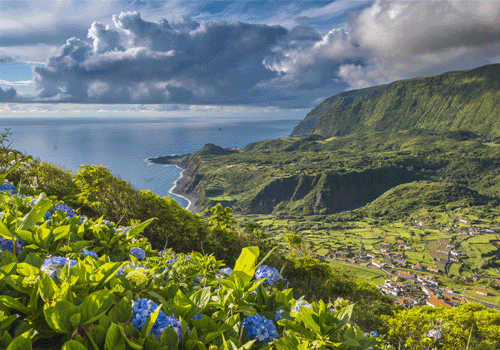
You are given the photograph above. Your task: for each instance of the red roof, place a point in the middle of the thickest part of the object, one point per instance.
(436, 302)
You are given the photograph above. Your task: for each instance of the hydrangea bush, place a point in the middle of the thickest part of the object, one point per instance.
(128, 296)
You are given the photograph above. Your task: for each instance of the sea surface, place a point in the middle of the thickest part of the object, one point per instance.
(124, 144)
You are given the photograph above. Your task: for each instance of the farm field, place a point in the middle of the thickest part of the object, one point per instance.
(428, 244)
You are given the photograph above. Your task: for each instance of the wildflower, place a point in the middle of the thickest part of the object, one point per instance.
(8, 244)
(434, 334)
(271, 274)
(302, 303)
(52, 266)
(260, 328)
(226, 271)
(277, 315)
(89, 253)
(141, 310)
(138, 252)
(8, 187)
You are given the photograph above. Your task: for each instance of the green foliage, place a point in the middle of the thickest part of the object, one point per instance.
(90, 304)
(453, 101)
(408, 329)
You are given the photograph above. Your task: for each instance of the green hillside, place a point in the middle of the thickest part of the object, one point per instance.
(314, 175)
(463, 100)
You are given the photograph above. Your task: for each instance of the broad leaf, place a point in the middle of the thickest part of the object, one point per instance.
(37, 213)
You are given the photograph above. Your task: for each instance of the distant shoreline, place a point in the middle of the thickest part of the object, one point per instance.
(192, 207)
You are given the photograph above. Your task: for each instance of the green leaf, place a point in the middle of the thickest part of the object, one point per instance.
(170, 338)
(109, 269)
(4, 231)
(114, 338)
(61, 232)
(139, 228)
(246, 262)
(73, 345)
(25, 269)
(344, 315)
(22, 342)
(36, 213)
(306, 315)
(122, 312)
(95, 305)
(199, 300)
(75, 320)
(12, 303)
(58, 316)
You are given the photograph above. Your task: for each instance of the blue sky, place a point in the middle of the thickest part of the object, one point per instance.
(231, 55)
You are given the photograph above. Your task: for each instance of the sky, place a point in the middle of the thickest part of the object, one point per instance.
(191, 56)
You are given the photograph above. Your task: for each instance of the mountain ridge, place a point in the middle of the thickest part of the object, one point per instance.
(451, 101)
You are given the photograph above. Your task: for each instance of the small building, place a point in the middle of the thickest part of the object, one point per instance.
(456, 252)
(416, 267)
(482, 292)
(385, 244)
(405, 274)
(433, 301)
(433, 269)
(370, 255)
(377, 263)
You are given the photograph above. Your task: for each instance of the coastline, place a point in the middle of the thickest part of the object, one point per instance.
(192, 207)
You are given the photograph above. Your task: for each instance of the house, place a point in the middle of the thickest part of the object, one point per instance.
(433, 269)
(454, 259)
(377, 263)
(442, 251)
(384, 252)
(463, 221)
(449, 290)
(340, 252)
(482, 292)
(433, 301)
(401, 261)
(450, 246)
(456, 252)
(416, 267)
(474, 233)
(371, 255)
(385, 244)
(387, 290)
(404, 301)
(405, 274)
(463, 234)
(351, 260)
(404, 246)
(427, 290)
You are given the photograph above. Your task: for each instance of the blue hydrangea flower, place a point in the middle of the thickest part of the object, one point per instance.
(138, 252)
(89, 253)
(8, 244)
(226, 271)
(52, 266)
(64, 208)
(374, 333)
(277, 315)
(197, 317)
(120, 272)
(83, 219)
(302, 303)
(260, 328)
(8, 187)
(122, 231)
(271, 274)
(367, 334)
(106, 222)
(198, 279)
(141, 310)
(434, 334)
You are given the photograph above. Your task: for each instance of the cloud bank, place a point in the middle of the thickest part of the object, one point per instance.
(183, 61)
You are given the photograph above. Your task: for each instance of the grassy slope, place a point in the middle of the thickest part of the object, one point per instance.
(304, 176)
(463, 100)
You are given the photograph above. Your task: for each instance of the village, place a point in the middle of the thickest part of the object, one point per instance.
(416, 284)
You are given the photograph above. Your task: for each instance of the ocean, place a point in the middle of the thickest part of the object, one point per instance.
(124, 144)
